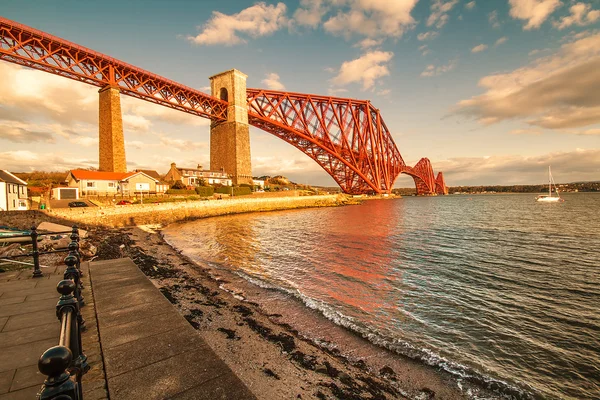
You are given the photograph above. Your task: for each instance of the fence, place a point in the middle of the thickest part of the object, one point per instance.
(65, 364)
(35, 253)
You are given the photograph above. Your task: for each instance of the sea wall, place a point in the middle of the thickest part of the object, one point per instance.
(163, 213)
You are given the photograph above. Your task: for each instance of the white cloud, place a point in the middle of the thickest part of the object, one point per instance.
(26, 160)
(493, 19)
(21, 133)
(384, 92)
(366, 69)
(424, 50)
(470, 5)
(559, 91)
(535, 12)
(368, 42)
(336, 91)
(372, 18)
(255, 21)
(439, 12)
(427, 35)
(272, 82)
(479, 48)
(432, 70)
(500, 41)
(581, 14)
(310, 13)
(182, 145)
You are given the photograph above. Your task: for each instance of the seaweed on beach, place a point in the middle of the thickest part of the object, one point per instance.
(284, 340)
(230, 333)
(270, 373)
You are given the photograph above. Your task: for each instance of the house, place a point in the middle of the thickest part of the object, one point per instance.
(101, 183)
(161, 186)
(13, 192)
(258, 183)
(193, 176)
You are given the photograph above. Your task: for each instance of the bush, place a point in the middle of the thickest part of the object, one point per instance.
(178, 185)
(205, 191)
(180, 191)
(237, 191)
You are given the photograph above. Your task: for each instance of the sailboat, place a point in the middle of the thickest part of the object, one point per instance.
(549, 198)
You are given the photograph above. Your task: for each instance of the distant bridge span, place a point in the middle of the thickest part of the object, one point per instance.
(347, 138)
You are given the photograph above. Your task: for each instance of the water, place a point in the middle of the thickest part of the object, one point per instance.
(497, 289)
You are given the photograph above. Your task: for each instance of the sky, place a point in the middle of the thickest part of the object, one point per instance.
(491, 91)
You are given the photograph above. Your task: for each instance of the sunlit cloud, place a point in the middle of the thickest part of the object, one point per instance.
(255, 21)
(366, 70)
(535, 12)
(272, 81)
(559, 91)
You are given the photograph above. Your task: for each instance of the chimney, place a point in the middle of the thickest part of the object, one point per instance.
(200, 167)
(173, 165)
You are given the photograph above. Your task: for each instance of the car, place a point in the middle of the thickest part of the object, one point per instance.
(124, 203)
(78, 204)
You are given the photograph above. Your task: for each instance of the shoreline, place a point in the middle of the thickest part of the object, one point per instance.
(267, 350)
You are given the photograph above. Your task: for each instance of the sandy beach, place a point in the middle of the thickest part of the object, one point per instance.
(273, 358)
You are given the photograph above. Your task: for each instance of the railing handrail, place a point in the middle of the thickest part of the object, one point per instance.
(65, 364)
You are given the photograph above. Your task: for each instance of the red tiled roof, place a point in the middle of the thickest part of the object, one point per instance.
(80, 174)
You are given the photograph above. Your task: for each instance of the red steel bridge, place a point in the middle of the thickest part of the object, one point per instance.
(346, 137)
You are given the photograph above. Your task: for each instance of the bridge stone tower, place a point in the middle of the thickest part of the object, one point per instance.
(112, 142)
(230, 140)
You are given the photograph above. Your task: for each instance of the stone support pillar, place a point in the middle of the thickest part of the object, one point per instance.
(230, 140)
(112, 142)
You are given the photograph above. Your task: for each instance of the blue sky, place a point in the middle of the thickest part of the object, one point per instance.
(491, 91)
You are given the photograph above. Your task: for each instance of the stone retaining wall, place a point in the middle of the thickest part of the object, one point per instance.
(162, 213)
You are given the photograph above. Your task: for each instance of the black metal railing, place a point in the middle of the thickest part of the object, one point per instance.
(65, 364)
(35, 253)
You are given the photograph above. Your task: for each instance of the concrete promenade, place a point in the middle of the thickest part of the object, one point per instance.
(138, 345)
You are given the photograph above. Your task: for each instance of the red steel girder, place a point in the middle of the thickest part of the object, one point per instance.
(440, 184)
(422, 173)
(29, 47)
(346, 137)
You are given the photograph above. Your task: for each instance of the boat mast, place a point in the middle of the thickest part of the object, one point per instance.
(549, 182)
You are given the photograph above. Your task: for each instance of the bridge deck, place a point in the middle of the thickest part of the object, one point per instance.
(139, 346)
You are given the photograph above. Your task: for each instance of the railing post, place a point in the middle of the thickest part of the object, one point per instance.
(37, 272)
(72, 273)
(54, 363)
(79, 365)
(75, 238)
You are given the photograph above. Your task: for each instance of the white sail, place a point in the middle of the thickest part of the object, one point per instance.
(549, 198)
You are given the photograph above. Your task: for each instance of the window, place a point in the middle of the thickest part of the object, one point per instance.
(91, 184)
(111, 184)
(14, 203)
(8, 186)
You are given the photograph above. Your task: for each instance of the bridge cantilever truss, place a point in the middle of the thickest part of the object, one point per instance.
(26, 46)
(347, 138)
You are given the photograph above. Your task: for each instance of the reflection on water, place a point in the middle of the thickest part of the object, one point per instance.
(488, 287)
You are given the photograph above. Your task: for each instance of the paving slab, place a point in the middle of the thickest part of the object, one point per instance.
(5, 380)
(12, 300)
(165, 378)
(26, 377)
(16, 322)
(133, 313)
(119, 334)
(150, 350)
(23, 394)
(22, 308)
(25, 354)
(30, 334)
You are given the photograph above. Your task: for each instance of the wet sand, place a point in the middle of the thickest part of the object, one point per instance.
(264, 344)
